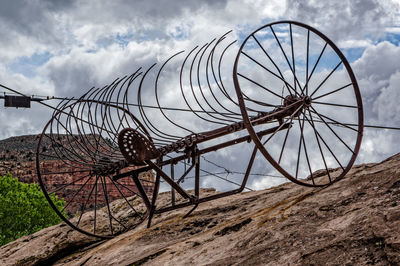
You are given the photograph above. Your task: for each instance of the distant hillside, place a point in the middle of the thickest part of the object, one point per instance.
(355, 221)
(18, 156)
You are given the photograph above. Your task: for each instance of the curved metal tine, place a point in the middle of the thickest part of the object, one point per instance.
(105, 109)
(156, 94)
(59, 153)
(64, 150)
(231, 114)
(129, 80)
(125, 106)
(94, 149)
(81, 149)
(201, 89)
(138, 125)
(287, 60)
(94, 128)
(288, 86)
(193, 93)
(162, 137)
(91, 121)
(210, 64)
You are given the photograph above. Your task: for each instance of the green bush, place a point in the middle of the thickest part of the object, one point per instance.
(24, 209)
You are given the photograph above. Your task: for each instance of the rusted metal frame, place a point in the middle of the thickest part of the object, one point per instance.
(199, 200)
(172, 189)
(196, 159)
(178, 188)
(204, 151)
(209, 135)
(141, 190)
(187, 171)
(155, 193)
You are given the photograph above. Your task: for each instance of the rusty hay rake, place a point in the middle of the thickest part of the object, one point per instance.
(293, 100)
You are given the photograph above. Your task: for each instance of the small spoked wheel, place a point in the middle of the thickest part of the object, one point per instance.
(78, 160)
(291, 66)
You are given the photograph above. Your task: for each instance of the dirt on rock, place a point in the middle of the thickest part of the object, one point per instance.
(355, 221)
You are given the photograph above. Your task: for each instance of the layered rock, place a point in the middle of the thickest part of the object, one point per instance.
(355, 221)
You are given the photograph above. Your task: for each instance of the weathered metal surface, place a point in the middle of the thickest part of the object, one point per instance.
(279, 95)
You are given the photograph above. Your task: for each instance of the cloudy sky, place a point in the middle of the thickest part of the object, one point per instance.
(63, 48)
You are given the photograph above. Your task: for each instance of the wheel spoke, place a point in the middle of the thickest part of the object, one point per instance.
(336, 122)
(68, 184)
(276, 66)
(120, 192)
(334, 91)
(103, 185)
(330, 74)
(261, 86)
(293, 63)
(315, 65)
(76, 193)
(336, 104)
(326, 145)
(319, 146)
(284, 54)
(333, 131)
(305, 149)
(84, 205)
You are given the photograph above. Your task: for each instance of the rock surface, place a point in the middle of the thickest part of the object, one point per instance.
(355, 221)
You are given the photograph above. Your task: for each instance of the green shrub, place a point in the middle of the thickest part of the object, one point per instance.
(24, 209)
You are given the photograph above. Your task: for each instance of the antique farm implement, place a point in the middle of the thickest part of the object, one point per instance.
(292, 100)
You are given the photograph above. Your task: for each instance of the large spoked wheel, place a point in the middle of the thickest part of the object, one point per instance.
(78, 159)
(290, 66)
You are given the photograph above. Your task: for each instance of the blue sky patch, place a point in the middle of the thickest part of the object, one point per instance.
(27, 66)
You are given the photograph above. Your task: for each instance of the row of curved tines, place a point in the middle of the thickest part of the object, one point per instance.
(96, 129)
